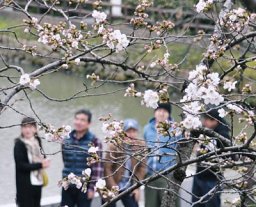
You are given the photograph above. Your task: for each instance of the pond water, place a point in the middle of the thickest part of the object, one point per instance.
(60, 85)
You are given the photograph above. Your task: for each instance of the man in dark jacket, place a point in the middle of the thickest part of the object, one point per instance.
(207, 178)
(75, 154)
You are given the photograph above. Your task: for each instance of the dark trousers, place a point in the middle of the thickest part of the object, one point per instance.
(30, 198)
(200, 188)
(74, 197)
(128, 200)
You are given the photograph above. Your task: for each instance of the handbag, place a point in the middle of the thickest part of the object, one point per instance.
(45, 178)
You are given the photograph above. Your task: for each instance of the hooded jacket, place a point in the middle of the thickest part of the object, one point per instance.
(160, 156)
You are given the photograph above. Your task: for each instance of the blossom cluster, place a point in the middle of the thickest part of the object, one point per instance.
(52, 134)
(241, 138)
(248, 116)
(140, 14)
(161, 27)
(107, 194)
(163, 128)
(229, 85)
(114, 39)
(94, 157)
(203, 5)
(131, 91)
(113, 131)
(79, 182)
(25, 80)
(236, 20)
(99, 17)
(150, 99)
(30, 49)
(202, 89)
(203, 85)
(217, 47)
(56, 35)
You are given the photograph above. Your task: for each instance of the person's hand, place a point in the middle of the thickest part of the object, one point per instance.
(90, 194)
(45, 163)
(136, 194)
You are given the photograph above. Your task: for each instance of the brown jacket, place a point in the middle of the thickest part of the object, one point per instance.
(114, 165)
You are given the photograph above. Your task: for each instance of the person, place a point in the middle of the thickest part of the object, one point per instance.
(74, 153)
(120, 176)
(205, 178)
(29, 165)
(160, 158)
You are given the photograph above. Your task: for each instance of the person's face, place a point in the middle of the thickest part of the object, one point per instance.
(81, 123)
(132, 133)
(28, 131)
(209, 123)
(161, 115)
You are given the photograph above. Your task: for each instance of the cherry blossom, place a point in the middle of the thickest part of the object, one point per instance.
(100, 184)
(101, 29)
(229, 85)
(65, 66)
(150, 99)
(211, 96)
(75, 44)
(202, 5)
(197, 75)
(236, 20)
(77, 61)
(191, 122)
(99, 16)
(34, 83)
(166, 58)
(93, 150)
(24, 79)
(71, 176)
(87, 172)
(131, 91)
(193, 107)
(112, 128)
(214, 78)
(153, 64)
(116, 40)
(67, 128)
(203, 86)
(235, 108)
(222, 113)
(73, 179)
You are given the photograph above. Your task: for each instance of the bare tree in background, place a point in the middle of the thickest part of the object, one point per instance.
(142, 48)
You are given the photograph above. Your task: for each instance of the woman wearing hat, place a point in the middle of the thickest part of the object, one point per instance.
(29, 163)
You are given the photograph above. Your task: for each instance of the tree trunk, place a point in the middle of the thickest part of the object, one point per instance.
(170, 198)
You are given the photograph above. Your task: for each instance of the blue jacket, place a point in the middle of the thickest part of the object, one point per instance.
(160, 158)
(75, 153)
